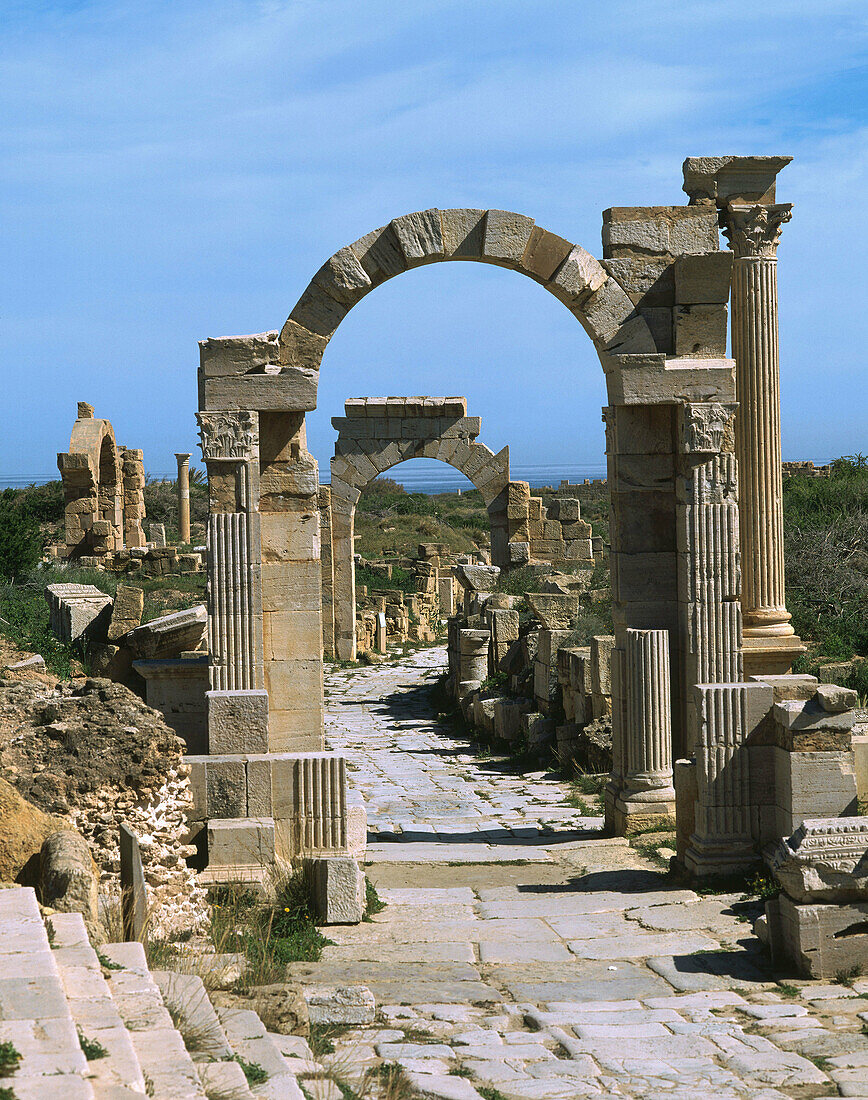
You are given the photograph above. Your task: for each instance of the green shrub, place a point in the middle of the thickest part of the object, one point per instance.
(21, 541)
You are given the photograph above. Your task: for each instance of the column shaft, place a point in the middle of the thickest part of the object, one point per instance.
(758, 445)
(183, 497)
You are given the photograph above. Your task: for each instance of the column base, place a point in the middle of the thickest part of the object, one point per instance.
(632, 814)
(770, 656)
(719, 857)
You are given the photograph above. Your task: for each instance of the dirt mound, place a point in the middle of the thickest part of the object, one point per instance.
(92, 751)
(24, 828)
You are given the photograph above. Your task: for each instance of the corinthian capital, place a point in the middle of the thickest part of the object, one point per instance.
(229, 436)
(754, 229)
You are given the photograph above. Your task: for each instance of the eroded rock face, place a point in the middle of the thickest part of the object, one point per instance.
(94, 753)
(23, 830)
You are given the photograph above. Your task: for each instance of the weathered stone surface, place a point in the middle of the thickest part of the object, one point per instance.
(169, 635)
(825, 860)
(339, 890)
(69, 878)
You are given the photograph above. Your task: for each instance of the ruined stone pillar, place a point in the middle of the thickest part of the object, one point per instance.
(230, 448)
(647, 793)
(753, 230)
(183, 497)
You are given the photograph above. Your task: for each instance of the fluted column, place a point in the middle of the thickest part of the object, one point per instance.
(647, 786)
(753, 230)
(183, 497)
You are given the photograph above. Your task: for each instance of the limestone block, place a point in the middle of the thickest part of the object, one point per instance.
(629, 228)
(258, 776)
(812, 785)
(544, 254)
(824, 860)
(296, 588)
(643, 521)
(343, 277)
(317, 312)
(517, 500)
(286, 633)
(565, 509)
(519, 552)
(169, 635)
(506, 237)
(357, 824)
(338, 889)
(226, 786)
(129, 603)
(380, 254)
(578, 530)
(299, 349)
(507, 718)
(463, 233)
(293, 683)
(477, 578)
(241, 842)
(601, 655)
(233, 355)
(821, 941)
(290, 536)
(555, 610)
(237, 722)
(641, 431)
(644, 577)
(648, 280)
(419, 236)
(340, 1004)
(801, 686)
(735, 179)
(694, 230)
(294, 388)
(834, 699)
(860, 762)
(642, 379)
(700, 331)
(77, 609)
(703, 278)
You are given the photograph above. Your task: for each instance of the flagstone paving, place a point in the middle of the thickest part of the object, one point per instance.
(521, 954)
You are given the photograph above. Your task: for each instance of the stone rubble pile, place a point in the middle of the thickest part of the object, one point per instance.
(93, 753)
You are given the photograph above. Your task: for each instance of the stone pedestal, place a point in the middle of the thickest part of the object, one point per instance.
(183, 497)
(647, 796)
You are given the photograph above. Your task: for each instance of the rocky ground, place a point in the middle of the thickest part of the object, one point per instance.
(522, 954)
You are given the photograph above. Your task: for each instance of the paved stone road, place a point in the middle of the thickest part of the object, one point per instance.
(522, 955)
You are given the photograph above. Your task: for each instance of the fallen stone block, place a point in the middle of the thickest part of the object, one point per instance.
(170, 635)
(76, 610)
(69, 878)
(338, 889)
(349, 1004)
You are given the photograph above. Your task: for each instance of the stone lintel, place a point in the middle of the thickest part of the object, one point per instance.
(719, 180)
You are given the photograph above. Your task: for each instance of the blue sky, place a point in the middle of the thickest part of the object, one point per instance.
(172, 171)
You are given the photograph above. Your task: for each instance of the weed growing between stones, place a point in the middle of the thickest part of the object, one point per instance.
(847, 977)
(489, 1092)
(586, 793)
(373, 902)
(269, 932)
(253, 1071)
(9, 1059)
(322, 1036)
(91, 1048)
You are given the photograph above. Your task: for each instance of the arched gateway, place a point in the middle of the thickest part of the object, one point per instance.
(379, 433)
(655, 309)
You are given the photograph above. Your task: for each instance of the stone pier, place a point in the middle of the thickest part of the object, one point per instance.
(183, 497)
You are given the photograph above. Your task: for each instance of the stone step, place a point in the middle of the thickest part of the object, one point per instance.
(189, 1005)
(34, 1014)
(169, 1071)
(94, 1012)
(249, 1039)
(224, 1079)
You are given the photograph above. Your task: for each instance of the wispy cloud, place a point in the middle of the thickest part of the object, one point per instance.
(176, 170)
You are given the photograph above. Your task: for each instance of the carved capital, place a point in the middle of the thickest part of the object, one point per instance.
(229, 436)
(703, 424)
(754, 229)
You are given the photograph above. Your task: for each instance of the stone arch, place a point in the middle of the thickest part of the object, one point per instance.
(92, 477)
(379, 433)
(497, 237)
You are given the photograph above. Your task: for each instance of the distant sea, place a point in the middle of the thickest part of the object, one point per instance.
(419, 476)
